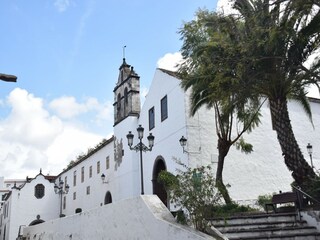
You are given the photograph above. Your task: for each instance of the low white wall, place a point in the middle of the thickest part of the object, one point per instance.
(312, 218)
(143, 217)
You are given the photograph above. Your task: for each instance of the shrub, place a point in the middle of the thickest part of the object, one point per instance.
(263, 199)
(192, 190)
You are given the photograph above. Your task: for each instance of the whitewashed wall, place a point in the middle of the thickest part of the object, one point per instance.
(78, 197)
(138, 218)
(168, 132)
(128, 173)
(250, 175)
(264, 170)
(24, 206)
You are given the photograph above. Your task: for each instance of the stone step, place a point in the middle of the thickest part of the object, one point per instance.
(296, 236)
(276, 226)
(262, 225)
(270, 232)
(257, 218)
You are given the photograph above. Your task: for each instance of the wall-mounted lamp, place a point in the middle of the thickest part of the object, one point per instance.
(309, 149)
(183, 143)
(103, 178)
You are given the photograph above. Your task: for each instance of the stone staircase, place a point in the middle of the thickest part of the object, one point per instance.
(284, 226)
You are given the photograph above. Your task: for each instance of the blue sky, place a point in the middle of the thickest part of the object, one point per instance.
(66, 55)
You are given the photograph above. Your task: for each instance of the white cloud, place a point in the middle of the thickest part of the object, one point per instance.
(32, 138)
(28, 122)
(68, 107)
(67, 146)
(105, 112)
(61, 5)
(169, 61)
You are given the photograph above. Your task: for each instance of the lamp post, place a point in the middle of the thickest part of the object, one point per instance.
(58, 189)
(140, 147)
(309, 149)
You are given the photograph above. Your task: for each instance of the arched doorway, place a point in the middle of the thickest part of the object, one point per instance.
(107, 198)
(158, 188)
(36, 221)
(78, 210)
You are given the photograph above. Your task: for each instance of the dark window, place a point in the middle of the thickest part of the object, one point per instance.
(98, 167)
(74, 195)
(88, 190)
(164, 108)
(90, 171)
(82, 174)
(74, 178)
(107, 163)
(39, 191)
(151, 118)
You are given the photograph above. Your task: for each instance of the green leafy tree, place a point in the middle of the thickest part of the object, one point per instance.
(261, 52)
(192, 190)
(279, 37)
(210, 48)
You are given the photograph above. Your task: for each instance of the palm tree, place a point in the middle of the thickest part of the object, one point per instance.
(209, 70)
(280, 36)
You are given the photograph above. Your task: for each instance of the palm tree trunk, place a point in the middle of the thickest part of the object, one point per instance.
(223, 148)
(302, 173)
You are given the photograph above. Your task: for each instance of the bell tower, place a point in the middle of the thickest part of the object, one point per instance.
(126, 93)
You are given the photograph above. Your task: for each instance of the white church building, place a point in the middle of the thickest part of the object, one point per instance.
(112, 172)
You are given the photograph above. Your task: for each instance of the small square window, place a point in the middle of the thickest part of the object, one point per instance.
(164, 108)
(151, 118)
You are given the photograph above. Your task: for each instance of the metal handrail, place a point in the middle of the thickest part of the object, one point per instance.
(306, 194)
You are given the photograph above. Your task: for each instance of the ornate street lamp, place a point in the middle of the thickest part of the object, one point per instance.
(58, 189)
(140, 147)
(309, 149)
